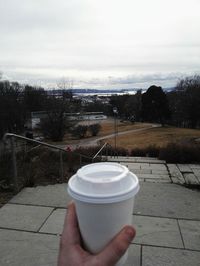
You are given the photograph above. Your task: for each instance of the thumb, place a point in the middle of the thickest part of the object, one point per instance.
(117, 247)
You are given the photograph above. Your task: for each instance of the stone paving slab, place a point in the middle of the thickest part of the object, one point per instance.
(150, 230)
(162, 214)
(191, 234)
(172, 166)
(145, 166)
(190, 179)
(197, 173)
(27, 249)
(197, 176)
(29, 218)
(157, 231)
(55, 222)
(24, 248)
(149, 160)
(157, 256)
(184, 168)
(162, 200)
(51, 195)
(175, 174)
(134, 256)
(141, 171)
(159, 172)
(156, 166)
(167, 200)
(157, 180)
(132, 165)
(149, 176)
(141, 179)
(176, 180)
(134, 159)
(188, 174)
(195, 166)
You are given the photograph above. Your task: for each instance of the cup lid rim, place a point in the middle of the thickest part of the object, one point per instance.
(80, 173)
(129, 190)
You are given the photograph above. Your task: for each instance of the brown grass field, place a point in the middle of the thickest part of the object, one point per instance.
(108, 127)
(156, 136)
(152, 136)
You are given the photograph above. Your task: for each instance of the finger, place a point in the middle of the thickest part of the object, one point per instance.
(117, 247)
(66, 216)
(71, 229)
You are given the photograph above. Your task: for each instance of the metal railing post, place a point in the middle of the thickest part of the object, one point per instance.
(61, 167)
(107, 152)
(14, 164)
(100, 151)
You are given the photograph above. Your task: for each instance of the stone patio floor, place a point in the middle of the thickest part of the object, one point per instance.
(166, 216)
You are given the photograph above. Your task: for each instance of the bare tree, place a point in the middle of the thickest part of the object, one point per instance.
(12, 116)
(66, 85)
(55, 124)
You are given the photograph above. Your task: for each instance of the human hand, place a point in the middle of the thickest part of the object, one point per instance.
(71, 252)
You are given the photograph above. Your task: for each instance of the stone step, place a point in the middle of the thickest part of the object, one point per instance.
(191, 179)
(135, 159)
(51, 196)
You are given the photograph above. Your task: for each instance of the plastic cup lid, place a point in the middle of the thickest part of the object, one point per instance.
(103, 183)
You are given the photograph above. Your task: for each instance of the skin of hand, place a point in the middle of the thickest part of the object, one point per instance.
(71, 252)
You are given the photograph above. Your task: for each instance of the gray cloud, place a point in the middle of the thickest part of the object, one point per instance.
(131, 81)
(158, 77)
(21, 15)
(89, 40)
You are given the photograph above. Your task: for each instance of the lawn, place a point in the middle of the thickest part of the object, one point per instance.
(152, 136)
(107, 127)
(156, 136)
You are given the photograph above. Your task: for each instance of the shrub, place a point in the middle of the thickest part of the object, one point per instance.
(150, 151)
(37, 166)
(88, 151)
(119, 151)
(79, 131)
(138, 152)
(53, 128)
(94, 129)
(180, 153)
(5, 170)
(108, 150)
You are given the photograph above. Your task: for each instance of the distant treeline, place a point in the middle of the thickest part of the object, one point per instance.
(18, 101)
(180, 107)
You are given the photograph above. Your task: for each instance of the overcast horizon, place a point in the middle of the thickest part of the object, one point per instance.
(99, 44)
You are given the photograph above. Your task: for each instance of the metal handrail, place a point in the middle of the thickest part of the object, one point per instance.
(14, 159)
(42, 143)
(105, 144)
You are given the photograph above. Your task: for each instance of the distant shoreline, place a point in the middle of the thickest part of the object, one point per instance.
(101, 92)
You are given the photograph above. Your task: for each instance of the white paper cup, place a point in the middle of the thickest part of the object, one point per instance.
(104, 198)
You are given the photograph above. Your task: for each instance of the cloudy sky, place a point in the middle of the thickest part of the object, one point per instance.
(100, 43)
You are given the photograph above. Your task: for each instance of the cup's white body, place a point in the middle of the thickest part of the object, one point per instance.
(104, 196)
(99, 223)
